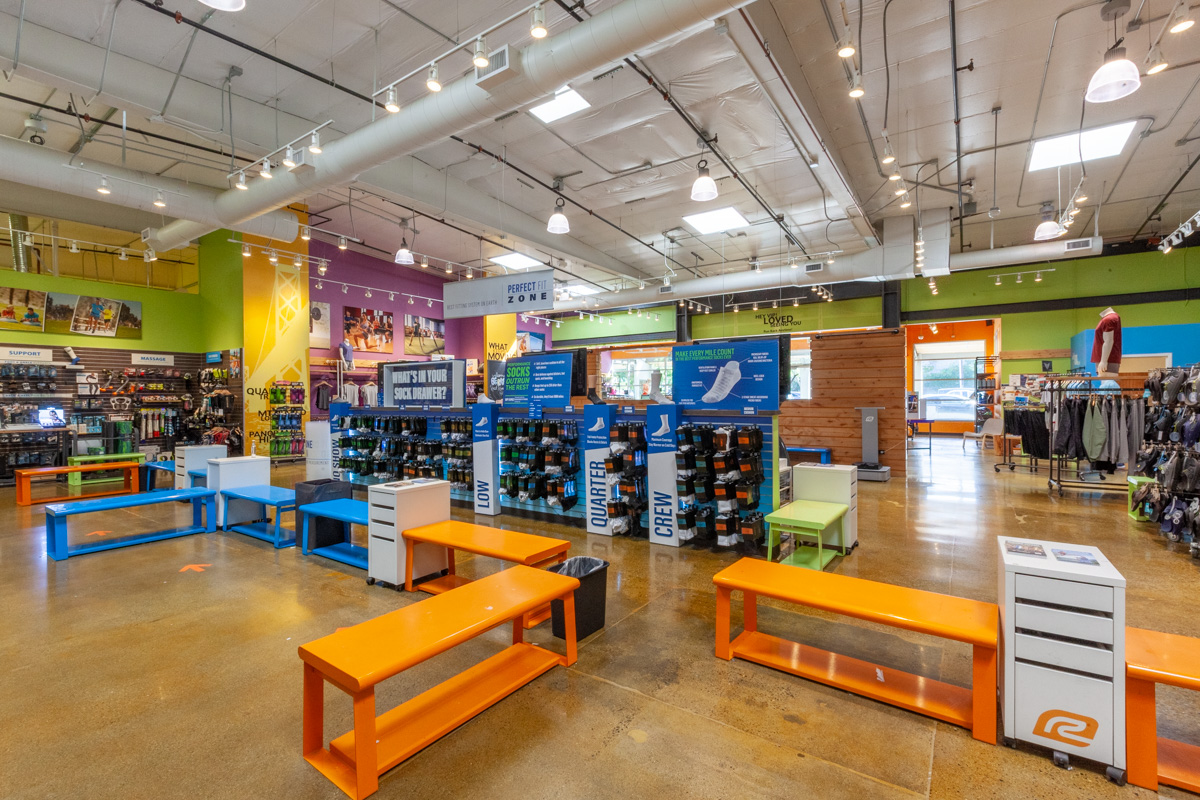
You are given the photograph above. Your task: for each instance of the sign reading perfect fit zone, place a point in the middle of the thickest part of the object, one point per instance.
(504, 294)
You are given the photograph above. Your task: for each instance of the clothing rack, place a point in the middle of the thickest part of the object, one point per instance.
(1012, 459)
(1062, 386)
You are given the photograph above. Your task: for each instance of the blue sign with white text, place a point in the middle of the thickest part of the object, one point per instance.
(660, 428)
(727, 377)
(544, 379)
(213, 357)
(483, 421)
(597, 422)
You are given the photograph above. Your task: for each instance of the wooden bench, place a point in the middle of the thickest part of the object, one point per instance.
(519, 548)
(77, 479)
(955, 618)
(358, 658)
(59, 549)
(1152, 657)
(23, 478)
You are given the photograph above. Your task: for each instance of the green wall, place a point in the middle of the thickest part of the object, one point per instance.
(623, 324)
(221, 290)
(170, 320)
(861, 312)
(1052, 330)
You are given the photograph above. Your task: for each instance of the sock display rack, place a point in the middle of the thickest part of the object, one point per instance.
(286, 405)
(719, 482)
(539, 465)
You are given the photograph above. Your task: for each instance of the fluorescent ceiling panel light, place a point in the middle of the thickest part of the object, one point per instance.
(1097, 143)
(581, 290)
(566, 102)
(721, 219)
(515, 261)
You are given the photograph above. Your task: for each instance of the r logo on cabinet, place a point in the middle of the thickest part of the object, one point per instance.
(1066, 727)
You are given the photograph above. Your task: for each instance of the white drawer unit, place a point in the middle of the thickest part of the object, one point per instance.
(237, 473)
(393, 508)
(195, 457)
(831, 483)
(1062, 615)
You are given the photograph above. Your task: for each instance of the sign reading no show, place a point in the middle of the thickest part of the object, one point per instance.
(504, 294)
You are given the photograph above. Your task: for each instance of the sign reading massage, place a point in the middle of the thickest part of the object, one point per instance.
(432, 383)
(504, 294)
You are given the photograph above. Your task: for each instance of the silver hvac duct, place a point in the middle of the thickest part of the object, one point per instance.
(532, 73)
(18, 226)
(34, 165)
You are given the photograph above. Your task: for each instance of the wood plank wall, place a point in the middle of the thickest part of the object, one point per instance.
(850, 371)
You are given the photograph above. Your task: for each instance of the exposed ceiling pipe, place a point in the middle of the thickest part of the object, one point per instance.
(538, 70)
(38, 166)
(1026, 254)
(957, 118)
(18, 225)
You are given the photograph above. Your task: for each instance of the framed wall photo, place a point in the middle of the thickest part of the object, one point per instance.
(424, 336)
(318, 325)
(368, 330)
(22, 309)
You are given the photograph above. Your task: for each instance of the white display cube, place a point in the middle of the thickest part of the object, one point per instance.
(236, 473)
(394, 508)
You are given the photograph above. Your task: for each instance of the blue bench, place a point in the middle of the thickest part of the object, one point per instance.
(348, 512)
(57, 547)
(826, 453)
(150, 471)
(282, 500)
(198, 477)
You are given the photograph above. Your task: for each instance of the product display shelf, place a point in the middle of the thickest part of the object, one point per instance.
(527, 467)
(987, 389)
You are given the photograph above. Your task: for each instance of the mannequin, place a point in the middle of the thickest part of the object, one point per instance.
(1106, 347)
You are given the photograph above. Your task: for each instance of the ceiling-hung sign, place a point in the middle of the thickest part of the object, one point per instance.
(504, 294)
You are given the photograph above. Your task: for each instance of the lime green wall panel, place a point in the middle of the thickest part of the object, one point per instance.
(623, 324)
(862, 312)
(221, 290)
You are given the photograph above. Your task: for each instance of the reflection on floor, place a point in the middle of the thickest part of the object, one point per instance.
(128, 678)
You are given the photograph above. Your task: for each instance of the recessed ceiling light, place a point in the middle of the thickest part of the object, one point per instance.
(566, 102)
(1097, 143)
(581, 290)
(721, 219)
(515, 261)
(225, 5)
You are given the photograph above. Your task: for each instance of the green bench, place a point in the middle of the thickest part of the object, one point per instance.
(805, 518)
(77, 479)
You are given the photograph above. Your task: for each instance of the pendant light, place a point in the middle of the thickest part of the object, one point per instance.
(537, 22)
(390, 101)
(1048, 228)
(432, 83)
(424, 262)
(1117, 77)
(704, 188)
(905, 201)
(558, 220)
(322, 267)
(404, 255)
(481, 55)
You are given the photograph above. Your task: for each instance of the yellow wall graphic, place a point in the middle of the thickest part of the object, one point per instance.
(499, 331)
(276, 333)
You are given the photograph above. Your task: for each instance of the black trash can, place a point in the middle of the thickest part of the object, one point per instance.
(589, 597)
(323, 531)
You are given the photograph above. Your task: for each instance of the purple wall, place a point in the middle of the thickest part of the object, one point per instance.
(464, 337)
(547, 333)
(364, 270)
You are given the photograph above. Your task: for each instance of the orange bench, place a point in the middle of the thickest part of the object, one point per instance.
(358, 658)
(956, 618)
(129, 470)
(1152, 657)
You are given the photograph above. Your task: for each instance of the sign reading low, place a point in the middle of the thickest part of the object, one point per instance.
(542, 380)
(504, 294)
(432, 383)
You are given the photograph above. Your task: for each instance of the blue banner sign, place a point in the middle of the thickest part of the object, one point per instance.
(542, 379)
(213, 358)
(727, 377)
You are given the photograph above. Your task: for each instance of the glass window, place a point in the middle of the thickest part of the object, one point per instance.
(630, 378)
(944, 377)
(800, 386)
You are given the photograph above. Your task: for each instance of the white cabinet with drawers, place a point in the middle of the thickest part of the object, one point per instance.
(1062, 615)
(393, 508)
(193, 457)
(831, 483)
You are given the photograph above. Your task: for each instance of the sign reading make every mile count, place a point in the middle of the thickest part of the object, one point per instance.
(543, 380)
(504, 294)
(734, 377)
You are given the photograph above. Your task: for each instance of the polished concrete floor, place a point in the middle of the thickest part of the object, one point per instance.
(127, 678)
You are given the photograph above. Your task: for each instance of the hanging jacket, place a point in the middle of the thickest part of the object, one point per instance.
(1095, 433)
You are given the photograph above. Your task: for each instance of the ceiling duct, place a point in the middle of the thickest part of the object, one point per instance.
(541, 67)
(33, 165)
(18, 226)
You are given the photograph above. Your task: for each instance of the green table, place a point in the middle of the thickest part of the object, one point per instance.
(805, 518)
(77, 479)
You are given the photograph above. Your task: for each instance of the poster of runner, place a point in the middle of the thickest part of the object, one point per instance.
(103, 316)
(424, 336)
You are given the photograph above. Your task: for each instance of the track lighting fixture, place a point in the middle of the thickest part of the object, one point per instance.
(629, 311)
(121, 255)
(449, 269)
(906, 201)
(681, 304)
(846, 46)
(756, 306)
(1117, 77)
(289, 157)
(581, 315)
(757, 265)
(704, 188)
(639, 313)
(272, 256)
(1037, 278)
(774, 304)
(320, 285)
(666, 280)
(424, 262)
(1019, 278)
(537, 22)
(159, 200)
(305, 232)
(1155, 63)
(367, 294)
(389, 101)
(888, 156)
(410, 300)
(735, 309)
(793, 263)
(322, 267)
(345, 288)
(404, 255)
(558, 220)
(314, 144)
(895, 176)
(432, 82)
(73, 247)
(829, 297)
(795, 303)
(901, 189)
(707, 310)
(297, 262)
(481, 55)
(342, 245)
(470, 273)
(265, 170)
(1181, 19)
(103, 187)
(149, 256)
(241, 182)
(225, 5)
(856, 89)
(998, 280)
(830, 260)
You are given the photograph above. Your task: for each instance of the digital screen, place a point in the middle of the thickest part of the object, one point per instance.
(50, 417)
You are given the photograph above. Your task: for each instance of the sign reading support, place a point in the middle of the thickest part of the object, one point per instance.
(661, 421)
(486, 458)
(727, 377)
(597, 424)
(153, 359)
(504, 294)
(45, 355)
(434, 383)
(542, 379)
